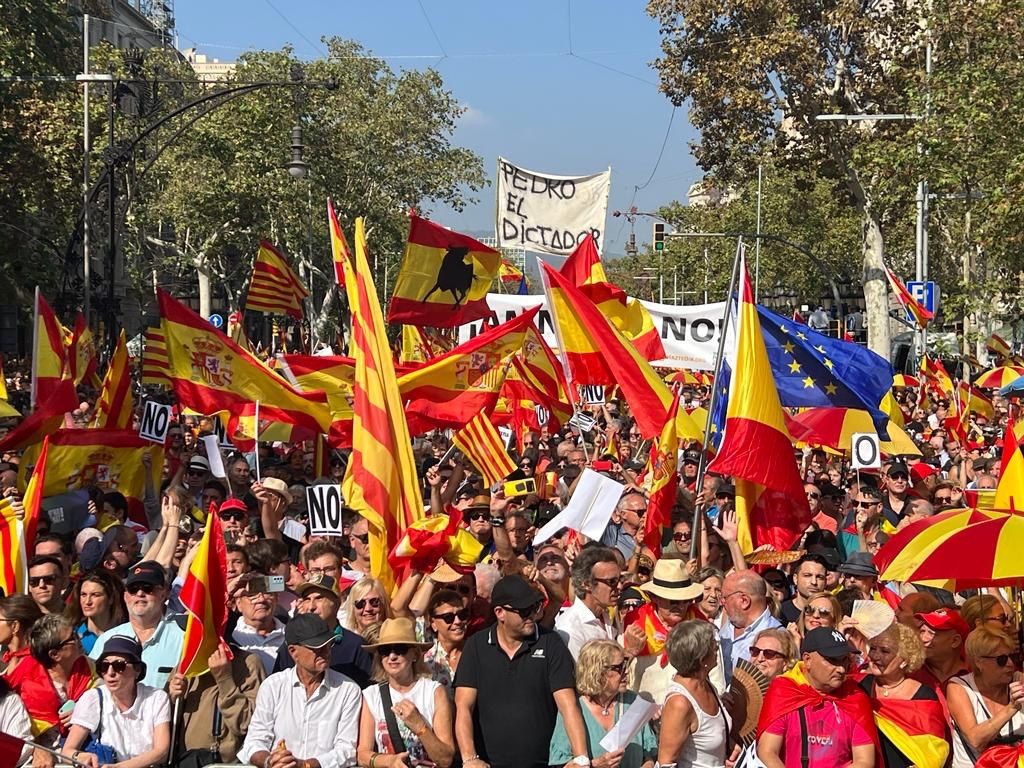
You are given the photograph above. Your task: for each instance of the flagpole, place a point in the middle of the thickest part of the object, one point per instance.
(256, 440)
(175, 724)
(719, 357)
(62, 758)
(35, 349)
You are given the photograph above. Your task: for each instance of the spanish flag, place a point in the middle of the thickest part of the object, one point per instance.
(537, 369)
(585, 270)
(451, 389)
(211, 373)
(1010, 490)
(114, 408)
(920, 314)
(998, 346)
(274, 288)
(662, 464)
(509, 272)
(81, 354)
(483, 446)
(771, 506)
(205, 596)
(916, 728)
(415, 346)
(49, 359)
(444, 277)
(598, 353)
(434, 538)
(655, 631)
(380, 482)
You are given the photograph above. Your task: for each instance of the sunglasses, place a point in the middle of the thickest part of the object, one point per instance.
(118, 666)
(630, 605)
(547, 560)
(528, 612)
(479, 514)
(682, 536)
(232, 514)
(134, 589)
(1001, 618)
(619, 668)
(943, 499)
(811, 495)
(36, 581)
(611, 583)
(365, 538)
(450, 617)
(1004, 658)
(821, 613)
(768, 653)
(73, 640)
(865, 504)
(393, 650)
(899, 476)
(374, 602)
(195, 471)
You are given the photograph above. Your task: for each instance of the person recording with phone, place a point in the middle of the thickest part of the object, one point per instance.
(252, 625)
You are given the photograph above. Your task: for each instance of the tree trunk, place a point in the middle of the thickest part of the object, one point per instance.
(876, 295)
(205, 297)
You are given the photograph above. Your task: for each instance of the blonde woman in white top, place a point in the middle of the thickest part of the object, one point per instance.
(694, 731)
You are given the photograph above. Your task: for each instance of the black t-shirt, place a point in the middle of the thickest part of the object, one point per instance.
(515, 708)
(788, 613)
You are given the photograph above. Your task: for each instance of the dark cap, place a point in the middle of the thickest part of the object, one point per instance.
(827, 556)
(828, 642)
(691, 456)
(91, 555)
(308, 630)
(146, 572)
(726, 489)
(123, 646)
(896, 467)
(859, 564)
(515, 592)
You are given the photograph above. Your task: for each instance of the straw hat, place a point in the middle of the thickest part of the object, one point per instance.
(671, 580)
(397, 632)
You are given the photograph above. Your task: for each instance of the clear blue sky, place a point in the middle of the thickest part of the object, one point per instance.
(556, 86)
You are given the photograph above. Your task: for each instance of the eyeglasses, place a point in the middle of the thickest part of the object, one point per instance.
(134, 589)
(36, 581)
(730, 594)
(611, 583)
(547, 560)
(1001, 618)
(373, 602)
(118, 666)
(479, 514)
(365, 538)
(1004, 658)
(232, 514)
(768, 653)
(528, 612)
(864, 504)
(813, 495)
(329, 570)
(619, 668)
(943, 499)
(449, 618)
(73, 640)
(820, 613)
(393, 650)
(682, 536)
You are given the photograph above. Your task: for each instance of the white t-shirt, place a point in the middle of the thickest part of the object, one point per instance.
(422, 696)
(129, 733)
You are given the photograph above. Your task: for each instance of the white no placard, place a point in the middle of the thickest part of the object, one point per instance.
(592, 394)
(325, 503)
(156, 420)
(866, 451)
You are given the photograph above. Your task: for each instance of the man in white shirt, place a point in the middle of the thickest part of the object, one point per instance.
(257, 630)
(595, 577)
(307, 716)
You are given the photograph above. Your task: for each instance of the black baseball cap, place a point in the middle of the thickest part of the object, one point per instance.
(828, 642)
(896, 467)
(515, 592)
(146, 572)
(309, 631)
(691, 457)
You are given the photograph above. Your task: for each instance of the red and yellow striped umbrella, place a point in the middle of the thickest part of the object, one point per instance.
(682, 376)
(905, 380)
(961, 549)
(999, 377)
(835, 428)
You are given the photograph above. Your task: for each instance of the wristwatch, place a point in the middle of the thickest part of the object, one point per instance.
(497, 521)
(581, 760)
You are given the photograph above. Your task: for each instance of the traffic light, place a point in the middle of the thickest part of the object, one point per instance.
(659, 236)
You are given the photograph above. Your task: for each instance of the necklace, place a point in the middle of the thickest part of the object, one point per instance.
(887, 688)
(606, 709)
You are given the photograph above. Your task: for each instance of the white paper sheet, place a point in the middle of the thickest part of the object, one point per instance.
(589, 509)
(629, 725)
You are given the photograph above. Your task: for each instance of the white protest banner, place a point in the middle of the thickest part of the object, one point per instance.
(156, 421)
(549, 214)
(325, 505)
(689, 333)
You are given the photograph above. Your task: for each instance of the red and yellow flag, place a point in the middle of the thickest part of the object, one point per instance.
(156, 367)
(444, 277)
(211, 373)
(916, 728)
(205, 596)
(415, 346)
(662, 464)
(920, 314)
(1010, 490)
(428, 540)
(6, 409)
(274, 287)
(114, 408)
(13, 559)
(81, 353)
(598, 353)
(998, 346)
(509, 272)
(585, 270)
(380, 481)
(483, 446)
(771, 507)
(49, 358)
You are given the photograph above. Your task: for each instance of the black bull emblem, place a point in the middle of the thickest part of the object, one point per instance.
(454, 275)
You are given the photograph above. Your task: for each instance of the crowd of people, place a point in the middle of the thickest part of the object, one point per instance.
(543, 655)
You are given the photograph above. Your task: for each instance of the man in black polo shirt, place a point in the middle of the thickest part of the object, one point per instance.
(511, 683)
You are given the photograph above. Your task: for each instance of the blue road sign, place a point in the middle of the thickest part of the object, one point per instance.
(925, 293)
(216, 321)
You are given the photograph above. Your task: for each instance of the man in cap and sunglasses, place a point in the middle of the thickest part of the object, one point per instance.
(512, 682)
(306, 716)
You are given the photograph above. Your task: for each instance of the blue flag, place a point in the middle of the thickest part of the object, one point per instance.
(721, 383)
(522, 287)
(814, 370)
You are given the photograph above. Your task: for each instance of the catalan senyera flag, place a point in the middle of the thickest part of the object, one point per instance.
(205, 596)
(274, 288)
(49, 354)
(483, 446)
(1010, 490)
(114, 407)
(509, 272)
(444, 278)
(81, 353)
(13, 558)
(156, 367)
(211, 373)
(662, 465)
(380, 480)
(585, 270)
(771, 506)
(903, 296)
(598, 353)
(449, 390)
(916, 728)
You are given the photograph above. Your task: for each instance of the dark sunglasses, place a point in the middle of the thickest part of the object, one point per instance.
(73, 640)
(134, 589)
(365, 538)
(943, 499)
(630, 605)
(812, 495)
(479, 514)
(393, 650)
(373, 601)
(899, 476)
(821, 613)
(611, 583)
(682, 536)
(450, 617)
(232, 514)
(35, 581)
(865, 504)
(1005, 658)
(768, 653)
(195, 471)
(102, 667)
(620, 668)
(528, 612)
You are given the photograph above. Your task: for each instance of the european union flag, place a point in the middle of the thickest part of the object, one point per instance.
(814, 370)
(522, 287)
(721, 383)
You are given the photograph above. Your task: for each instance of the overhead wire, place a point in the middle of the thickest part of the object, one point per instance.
(430, 26)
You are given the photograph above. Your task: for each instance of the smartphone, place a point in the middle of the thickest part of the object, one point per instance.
(522, 487)
(275, 583)
(601, 465)
(66, 707)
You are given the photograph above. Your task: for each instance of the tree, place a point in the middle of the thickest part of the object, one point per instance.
(758, 74)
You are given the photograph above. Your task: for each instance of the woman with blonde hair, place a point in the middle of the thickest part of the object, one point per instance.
(910, 718)
(986, 704)
(821, 610)
(602, 695)
(987, 610)
(368, 608)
